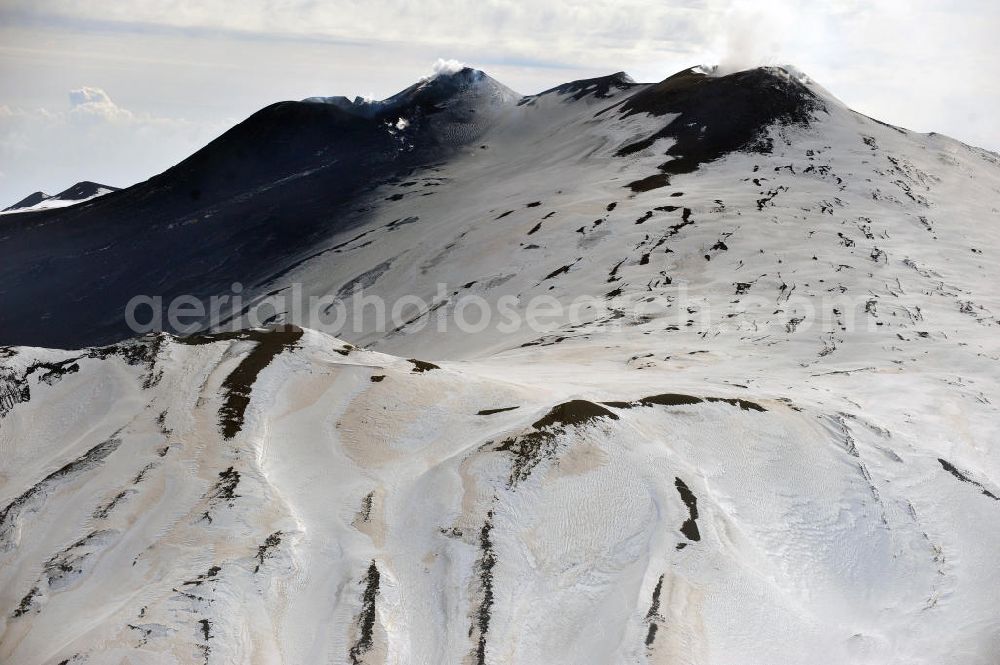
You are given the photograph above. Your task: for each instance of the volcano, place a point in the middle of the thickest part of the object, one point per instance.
(698, 371)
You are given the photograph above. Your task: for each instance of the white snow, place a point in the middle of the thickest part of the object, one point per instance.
(853, 519)
(56, 202)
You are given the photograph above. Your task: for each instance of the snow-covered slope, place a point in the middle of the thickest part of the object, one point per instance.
(766, 437)
(84, 190)
(367, 508)
(823, 209)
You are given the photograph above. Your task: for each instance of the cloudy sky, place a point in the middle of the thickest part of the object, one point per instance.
(116, 92)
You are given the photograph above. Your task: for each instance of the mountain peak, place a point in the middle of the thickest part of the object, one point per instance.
(718, 114)
(81, 191)
(750, 96)
(29, 201)
(84, 189)
(449, 82)
(438, 90)
(600, 87)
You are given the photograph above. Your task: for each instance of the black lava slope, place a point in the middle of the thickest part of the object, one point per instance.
(718, 115)
(274, 189)
(240, 208)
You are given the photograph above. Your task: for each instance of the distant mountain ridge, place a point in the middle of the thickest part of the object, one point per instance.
(78, 193)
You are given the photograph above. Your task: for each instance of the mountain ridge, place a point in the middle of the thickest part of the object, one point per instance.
(261, 192)
(479, 399)
(84, 190)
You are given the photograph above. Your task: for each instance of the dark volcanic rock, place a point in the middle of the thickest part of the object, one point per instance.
(29, 201)
(718, 115)
(83, 190)
(601, 87)
(248, 205)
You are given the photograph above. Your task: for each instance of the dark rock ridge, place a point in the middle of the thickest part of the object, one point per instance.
(276, 189)
(428, 96)
(29, 201)
(717, 115)
(280, 182)
(602, 87)
(82, 190)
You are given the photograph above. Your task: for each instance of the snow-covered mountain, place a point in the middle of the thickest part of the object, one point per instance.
(764, 434)
(84, 190)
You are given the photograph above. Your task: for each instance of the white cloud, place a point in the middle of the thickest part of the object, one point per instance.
(87, 95)
(90, 104)
(447, 67)
(92, 139)
(752, 35)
